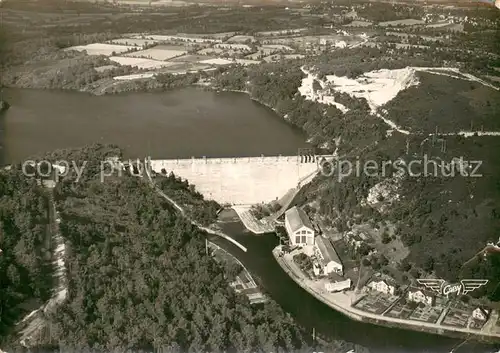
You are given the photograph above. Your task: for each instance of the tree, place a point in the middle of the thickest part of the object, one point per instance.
(404, 265)
(428, 264)
(385, 237)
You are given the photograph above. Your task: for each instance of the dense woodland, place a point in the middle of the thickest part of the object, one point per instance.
(138, 272)
(24, 250)
(185, 194)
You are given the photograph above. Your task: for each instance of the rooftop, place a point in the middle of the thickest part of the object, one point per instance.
(386, 280)
(297, 218)
(327, 250)
(485, 311)
(424, 292)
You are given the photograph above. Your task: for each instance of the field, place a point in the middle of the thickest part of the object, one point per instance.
(216, 62)
(139, 62)
(190, 39)
(157, 54)
(241, 39)
(191, 58)
(210, 51)
(102, 49)
(407, 22)
(359, 24)
(133, 77)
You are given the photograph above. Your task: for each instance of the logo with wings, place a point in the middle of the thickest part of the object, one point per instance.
(465, 286)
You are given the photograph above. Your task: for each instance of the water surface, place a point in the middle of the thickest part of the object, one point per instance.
(182, 123)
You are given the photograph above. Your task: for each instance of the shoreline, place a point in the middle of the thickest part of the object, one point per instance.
(251, 97)
(97, 93)
(342, 305)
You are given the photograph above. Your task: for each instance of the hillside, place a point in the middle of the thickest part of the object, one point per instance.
(138, 273)
(354, 104)
(448, 104)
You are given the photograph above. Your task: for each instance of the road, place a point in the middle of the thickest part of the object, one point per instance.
(342, 302)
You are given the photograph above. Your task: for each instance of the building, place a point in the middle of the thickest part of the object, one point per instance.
(421, 296)
(481, 314)
(338, 286)
(383, 286)
(327, 259)
(299, 228)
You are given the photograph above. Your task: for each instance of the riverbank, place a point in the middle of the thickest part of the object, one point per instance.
(343, 301)
(249, 95)
(244, 282)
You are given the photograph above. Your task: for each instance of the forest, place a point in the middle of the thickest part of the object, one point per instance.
(24, 248)
(138, 273)
(185, 194)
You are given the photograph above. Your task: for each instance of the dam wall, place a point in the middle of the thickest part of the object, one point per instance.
(242, 180)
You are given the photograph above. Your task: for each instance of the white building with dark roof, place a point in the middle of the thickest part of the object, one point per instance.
(327, 259)
(338, 286)
(481, 314)
(299, 227)
(421, 296)
(382, 285)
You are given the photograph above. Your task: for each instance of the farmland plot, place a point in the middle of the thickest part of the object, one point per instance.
(139, 62)
(157, 54)
(102, 48)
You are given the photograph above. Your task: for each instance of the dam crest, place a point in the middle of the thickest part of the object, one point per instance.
(243, 180)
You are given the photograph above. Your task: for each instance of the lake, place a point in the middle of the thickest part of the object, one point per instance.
(193, 122)
(182, 123)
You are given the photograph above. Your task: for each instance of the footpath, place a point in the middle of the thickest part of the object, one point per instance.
(343, 301)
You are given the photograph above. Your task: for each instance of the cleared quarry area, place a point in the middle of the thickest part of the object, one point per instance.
(240, 181)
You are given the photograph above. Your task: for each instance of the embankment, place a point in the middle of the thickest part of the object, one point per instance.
(369, 318)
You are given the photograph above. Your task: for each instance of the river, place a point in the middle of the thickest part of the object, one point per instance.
(192, 122)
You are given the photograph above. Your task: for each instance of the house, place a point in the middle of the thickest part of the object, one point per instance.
(421, 296)
(327, 259)
(385, 286)
(299, 228)
(338, 286)
(481, 314)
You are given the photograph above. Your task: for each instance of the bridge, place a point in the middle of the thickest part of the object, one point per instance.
(243, 180)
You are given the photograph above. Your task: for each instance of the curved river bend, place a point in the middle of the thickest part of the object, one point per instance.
(192, 122)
